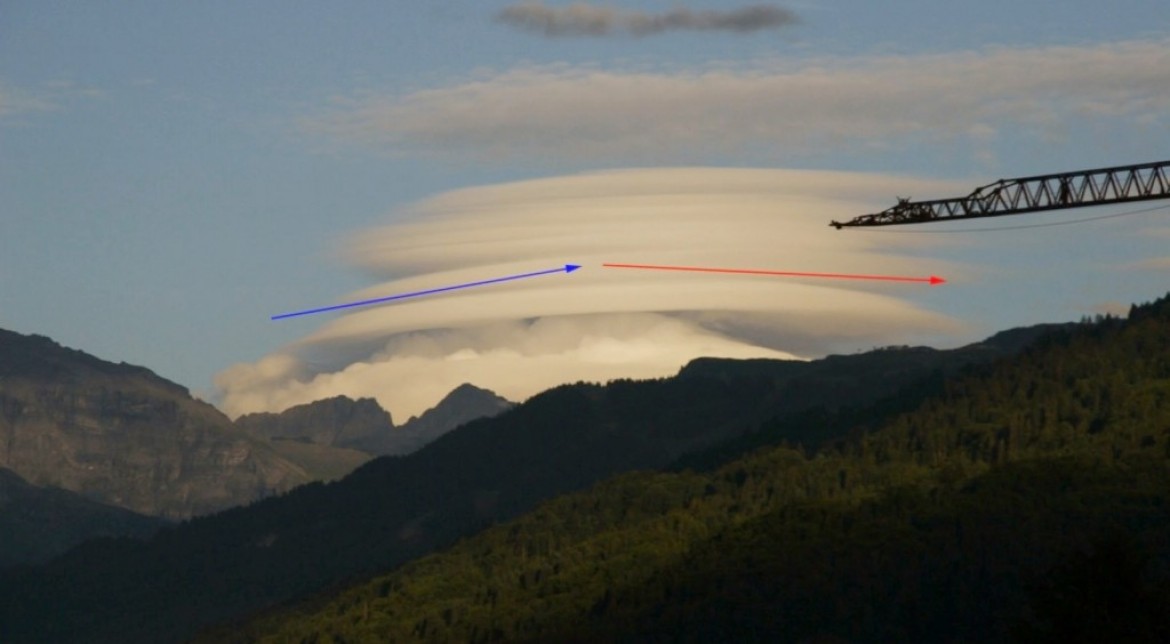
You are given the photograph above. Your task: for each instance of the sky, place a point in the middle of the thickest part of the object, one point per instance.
(172, 175)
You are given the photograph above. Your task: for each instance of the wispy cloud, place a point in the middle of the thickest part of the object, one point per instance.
(575, 112)
(15, 101)
(583, 19)
(596, 323)
(51, 95)
(1149, 264)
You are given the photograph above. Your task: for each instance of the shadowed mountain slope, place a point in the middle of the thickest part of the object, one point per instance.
(1024, 501)
(335, 422)
(464, 404)
(394, 509)
(38, 523)
(121, 435)
(363, 425)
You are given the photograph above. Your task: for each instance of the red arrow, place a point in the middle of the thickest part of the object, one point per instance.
(932, 280)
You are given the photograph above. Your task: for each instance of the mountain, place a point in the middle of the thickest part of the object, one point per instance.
(464, 404)
(363, 425)
(339, 421)
(38, 523)
(394, 509)
(121, 435)
(320, 462)
(1022, 501)
(889, 365)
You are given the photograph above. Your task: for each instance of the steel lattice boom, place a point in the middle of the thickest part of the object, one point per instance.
(1099, 187)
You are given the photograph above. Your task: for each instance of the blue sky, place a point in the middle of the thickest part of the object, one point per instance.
(172, 174)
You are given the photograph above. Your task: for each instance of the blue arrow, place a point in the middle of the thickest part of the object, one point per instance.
(568, 268)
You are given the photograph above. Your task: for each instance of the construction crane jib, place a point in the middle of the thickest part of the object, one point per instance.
(1099, 187)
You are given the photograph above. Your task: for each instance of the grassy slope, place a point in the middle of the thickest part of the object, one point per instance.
(321, 462)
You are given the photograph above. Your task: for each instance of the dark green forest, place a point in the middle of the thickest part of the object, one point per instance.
(396, 509)
(39, 523)
(1024, 500)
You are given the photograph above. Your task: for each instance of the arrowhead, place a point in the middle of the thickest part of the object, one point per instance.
(935, 280)
(569, 268)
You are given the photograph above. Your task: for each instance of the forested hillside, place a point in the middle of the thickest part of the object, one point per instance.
(1026, 502)
(39, 523)
(395, 509)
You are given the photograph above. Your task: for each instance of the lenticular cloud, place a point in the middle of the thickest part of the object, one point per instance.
(596, 323)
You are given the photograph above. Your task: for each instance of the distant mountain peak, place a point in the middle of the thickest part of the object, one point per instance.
(336, 421)
(345, 406)
(462, 405)
(470, 392)
(467, 386)
(362, 424)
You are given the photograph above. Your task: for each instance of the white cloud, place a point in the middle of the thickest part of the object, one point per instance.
(564, 111)
(596, 324)
(51, 95)
(515, 359)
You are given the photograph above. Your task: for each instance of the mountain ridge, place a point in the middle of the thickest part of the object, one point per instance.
(1024, 500)
(122, 435)
(335, 421)
(396, 508)
(363, 424)
(119, 434)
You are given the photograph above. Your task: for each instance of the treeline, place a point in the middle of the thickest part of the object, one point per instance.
(1027, 502)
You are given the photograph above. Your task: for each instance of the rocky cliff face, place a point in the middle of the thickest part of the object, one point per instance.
(363, 425)
(337, 422)
(464, 404)
(121, 435)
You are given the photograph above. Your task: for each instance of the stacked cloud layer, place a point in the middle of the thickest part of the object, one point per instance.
(597, 323)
